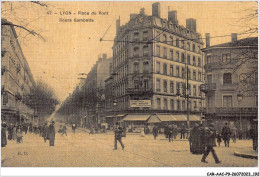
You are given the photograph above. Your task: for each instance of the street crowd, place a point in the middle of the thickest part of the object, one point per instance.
(202, 139)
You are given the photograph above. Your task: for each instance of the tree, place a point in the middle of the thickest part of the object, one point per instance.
(11, 16)
(42, 99)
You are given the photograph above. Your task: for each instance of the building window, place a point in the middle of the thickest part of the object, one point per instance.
(194, 90)
(194, 75)
(226, 57)
(165, 101)
(165, 52)
(227, 101)
(158, 103)
(177, 56)
(171, 70)
(178, 87)
(199, 91)
(165, 69)
(182, 72)
(178, 105)
(165, 85)
(164, 38)
(146, 84)
(199, 76)
(183, 89)
(146, 66)
(189, 74)
(158, 67)
(145, 50)
(193, 48)
(136, 51)
(136, 84)
(199, 62)
(158, 36)
(158, 51)
(171, 40)
(171, 87)
(188, 59)
(145, 35)
(182, 58)
(177, 42)
(182, 44)
(227, 78)
(172, 104)
(136, 67)
(194, 61)
(136, 36)
(188, 46)
(183, 105)
(158, 85)
(177, 71)
(171, 54)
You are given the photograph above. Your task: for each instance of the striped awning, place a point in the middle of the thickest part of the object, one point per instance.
(166, 117)
(153, 119)
(183, 118)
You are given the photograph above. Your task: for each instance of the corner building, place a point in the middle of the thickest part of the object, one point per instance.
(151, 56)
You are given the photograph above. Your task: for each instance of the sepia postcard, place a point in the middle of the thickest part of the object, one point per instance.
(129, 84)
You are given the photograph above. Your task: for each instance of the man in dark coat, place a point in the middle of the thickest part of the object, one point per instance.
(51, 133)
(226, 133)
(45, 132)
(209, 140)
(183, 132)
(155, 132)
(118, 136)
(10, 131)
(3, 135)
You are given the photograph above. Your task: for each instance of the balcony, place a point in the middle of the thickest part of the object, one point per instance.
(139, 91)
(232, 110)
(209, 87)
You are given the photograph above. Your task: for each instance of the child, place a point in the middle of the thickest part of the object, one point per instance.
(218, 139)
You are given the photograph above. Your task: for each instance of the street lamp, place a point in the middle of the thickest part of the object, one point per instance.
(239, 99)
(114, 103)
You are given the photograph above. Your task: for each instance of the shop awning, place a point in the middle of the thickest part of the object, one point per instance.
(153, 119)
(183, 118)
(136, 117)
(166, 117)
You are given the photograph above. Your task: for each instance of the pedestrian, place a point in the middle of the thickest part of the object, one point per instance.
(155, 132)
(45, 132)
(254, 136)
(3, 135)
(64, 130)
(183, 132)
(226, 133)
(240, 134)
(25, 128)
(51, 133)
(170, 133)
(234, 134)
(209, 139)
(30, 127)
(19, 134)
(166, 131)
(196, 140)
(14, 133)
(10, 131)
(118, 136)
(91, 130)
(73, 127)
(60, 129)
(219, 139)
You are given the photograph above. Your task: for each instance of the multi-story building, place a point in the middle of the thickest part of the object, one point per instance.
(231, 82)
(16, 78)
(151, 57)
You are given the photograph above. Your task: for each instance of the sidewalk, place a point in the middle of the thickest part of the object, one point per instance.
(247, 153)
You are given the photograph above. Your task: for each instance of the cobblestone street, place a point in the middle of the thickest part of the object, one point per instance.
(81, 149)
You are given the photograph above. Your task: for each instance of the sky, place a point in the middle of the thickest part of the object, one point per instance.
(70, 48)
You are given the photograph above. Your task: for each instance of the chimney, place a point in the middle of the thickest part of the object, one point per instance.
(172, 16)
(233, 37)
(191, 24)
(207, 40)
(104, 56)
(156, 9)
(118, 25)
(142, 11)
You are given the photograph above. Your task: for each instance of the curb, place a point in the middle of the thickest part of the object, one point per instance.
(250, 156)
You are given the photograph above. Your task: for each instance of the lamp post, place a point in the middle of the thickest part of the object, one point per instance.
(239, 99)
(114, 106)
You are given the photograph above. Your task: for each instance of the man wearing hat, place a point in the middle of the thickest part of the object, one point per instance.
(118, 136)
(209, 140)
(51, 133)
(3, 135)
(45, 132)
